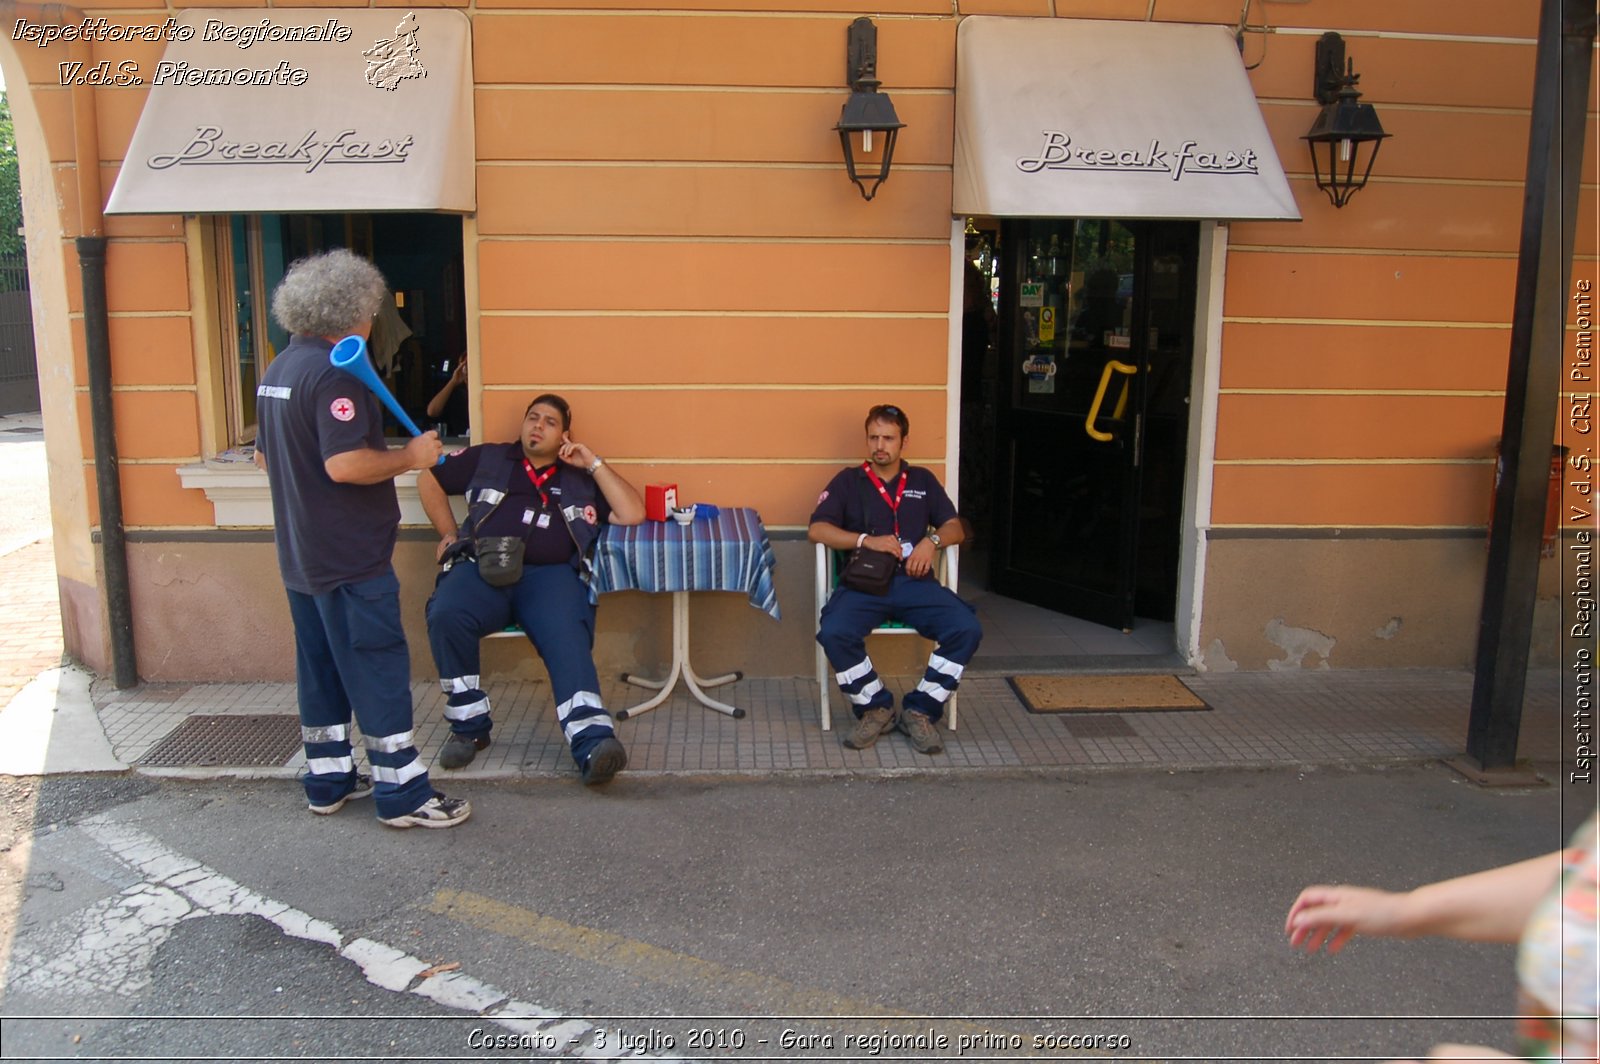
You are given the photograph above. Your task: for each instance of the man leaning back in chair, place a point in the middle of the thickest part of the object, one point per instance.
(889, 505)
(534, 510)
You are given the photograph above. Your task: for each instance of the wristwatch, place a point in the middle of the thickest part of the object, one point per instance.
(933, 537)
(596, 464)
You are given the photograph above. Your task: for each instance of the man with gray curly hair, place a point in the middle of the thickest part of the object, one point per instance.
(320, 441)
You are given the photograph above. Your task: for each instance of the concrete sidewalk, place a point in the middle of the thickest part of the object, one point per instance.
(1256, 719)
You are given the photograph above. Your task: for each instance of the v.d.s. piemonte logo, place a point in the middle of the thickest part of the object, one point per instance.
(392, 61)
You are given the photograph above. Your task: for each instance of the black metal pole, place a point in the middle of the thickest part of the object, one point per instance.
(1533, 377)
(108, 481)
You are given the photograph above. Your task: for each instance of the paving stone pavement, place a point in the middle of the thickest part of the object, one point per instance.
(30, 639)
(1352, 716)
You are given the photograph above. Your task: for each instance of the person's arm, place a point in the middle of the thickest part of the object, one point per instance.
(436, 504)
(372, 465)
(436, 405)
(627, 505)
(259, 458)
(1491, 906)
(923, 555)
(831, 535)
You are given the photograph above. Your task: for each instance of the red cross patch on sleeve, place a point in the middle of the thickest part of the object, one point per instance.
(342, 409)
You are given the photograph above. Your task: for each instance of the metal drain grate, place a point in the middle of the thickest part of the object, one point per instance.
(243, 739)
(1100, 728)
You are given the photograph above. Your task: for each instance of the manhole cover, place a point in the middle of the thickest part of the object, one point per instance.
(242, 739)
(1100, 728)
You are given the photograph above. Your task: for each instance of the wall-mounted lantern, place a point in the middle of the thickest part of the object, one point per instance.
(1346, 135)
(868, 126)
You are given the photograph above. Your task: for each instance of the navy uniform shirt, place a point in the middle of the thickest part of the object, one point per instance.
(328, 533)
(852, 502)
(519, 512)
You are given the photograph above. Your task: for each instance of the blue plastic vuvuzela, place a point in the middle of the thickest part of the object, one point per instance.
(350, 356)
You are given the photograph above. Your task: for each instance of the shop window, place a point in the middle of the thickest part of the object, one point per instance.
(420, 337)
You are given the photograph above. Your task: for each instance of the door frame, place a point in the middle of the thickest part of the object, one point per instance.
(1200, 455)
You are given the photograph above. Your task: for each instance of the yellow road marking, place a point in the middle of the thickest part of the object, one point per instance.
(654, 964)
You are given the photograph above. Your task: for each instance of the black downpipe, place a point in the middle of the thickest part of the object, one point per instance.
(1533, 378)
(108, 480)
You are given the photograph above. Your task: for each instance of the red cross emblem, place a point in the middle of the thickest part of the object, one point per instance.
(342, 408)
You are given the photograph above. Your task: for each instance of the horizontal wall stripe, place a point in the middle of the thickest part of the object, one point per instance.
(1347, 532)
(1356, 426)
(1399, 323)
(696, 164)
(811, 315)
(701, 276)
(1437, 393)
(1350, 461)
(744, 241)
(728, 200)
(831, 91)
(1357, 494)
(802, 388)
(1400, 35)
(1295, 249)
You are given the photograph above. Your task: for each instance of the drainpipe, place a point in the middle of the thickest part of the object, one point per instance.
(1533, 377)
(91, 245)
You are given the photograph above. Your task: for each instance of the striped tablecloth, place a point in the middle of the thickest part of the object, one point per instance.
(729, 552)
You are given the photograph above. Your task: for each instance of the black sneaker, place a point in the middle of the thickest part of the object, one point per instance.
(606, 760)
(436, 812)
(459, 750)
(362, 788)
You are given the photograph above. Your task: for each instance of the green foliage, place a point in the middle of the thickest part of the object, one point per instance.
(11, 243)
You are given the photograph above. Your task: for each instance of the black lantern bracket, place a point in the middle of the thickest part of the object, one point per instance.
(868, 126)
(1346, 135)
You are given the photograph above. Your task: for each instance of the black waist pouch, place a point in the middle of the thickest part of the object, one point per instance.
(500, 560)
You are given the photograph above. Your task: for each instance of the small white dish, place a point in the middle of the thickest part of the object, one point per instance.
(683, 514)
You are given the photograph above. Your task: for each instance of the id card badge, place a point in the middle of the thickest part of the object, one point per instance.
(544, 520)
(905, 549)
(527, 517)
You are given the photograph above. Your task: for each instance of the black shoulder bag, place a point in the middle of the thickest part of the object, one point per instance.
(869, 571)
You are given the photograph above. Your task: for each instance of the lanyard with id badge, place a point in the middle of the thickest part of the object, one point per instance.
(893, 504)
(540, 518)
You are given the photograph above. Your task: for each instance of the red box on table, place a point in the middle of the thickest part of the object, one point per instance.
(659, 499)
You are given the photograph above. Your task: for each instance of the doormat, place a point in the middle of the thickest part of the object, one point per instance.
(228, 739)
(1104, 694)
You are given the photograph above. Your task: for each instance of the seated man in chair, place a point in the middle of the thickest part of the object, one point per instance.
(534, 510)
(889, 505)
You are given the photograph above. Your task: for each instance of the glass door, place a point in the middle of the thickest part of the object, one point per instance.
(1090, 310)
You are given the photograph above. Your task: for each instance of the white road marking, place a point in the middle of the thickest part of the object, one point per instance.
(108, 946)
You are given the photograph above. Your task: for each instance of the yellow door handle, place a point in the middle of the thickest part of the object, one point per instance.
(1099, 397)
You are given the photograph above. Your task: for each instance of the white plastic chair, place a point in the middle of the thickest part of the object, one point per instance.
(826, 578)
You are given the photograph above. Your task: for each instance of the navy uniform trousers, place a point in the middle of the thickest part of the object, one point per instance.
(551, 604)
(350, 655)
(926, 605)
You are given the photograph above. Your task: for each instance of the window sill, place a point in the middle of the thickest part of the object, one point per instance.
(240, 498)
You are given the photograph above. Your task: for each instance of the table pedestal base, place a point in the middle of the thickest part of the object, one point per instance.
(680, 668)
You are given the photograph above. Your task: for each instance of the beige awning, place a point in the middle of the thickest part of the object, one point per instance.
(1083, 118)
(305, 109)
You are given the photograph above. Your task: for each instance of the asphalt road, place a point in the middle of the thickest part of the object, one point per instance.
(1050, 916)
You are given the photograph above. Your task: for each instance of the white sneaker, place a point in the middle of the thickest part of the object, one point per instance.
(362, 788)
(436, 812)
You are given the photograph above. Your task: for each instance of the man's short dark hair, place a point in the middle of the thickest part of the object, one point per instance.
(553, 400)
(888, 412)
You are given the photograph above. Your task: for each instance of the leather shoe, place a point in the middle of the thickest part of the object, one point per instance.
(459, 751)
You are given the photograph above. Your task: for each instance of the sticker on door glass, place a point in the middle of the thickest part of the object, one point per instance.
(1047, 324)
(1041, 373)
(1032, 293)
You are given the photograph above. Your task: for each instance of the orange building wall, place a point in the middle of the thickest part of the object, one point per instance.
(666, 236)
